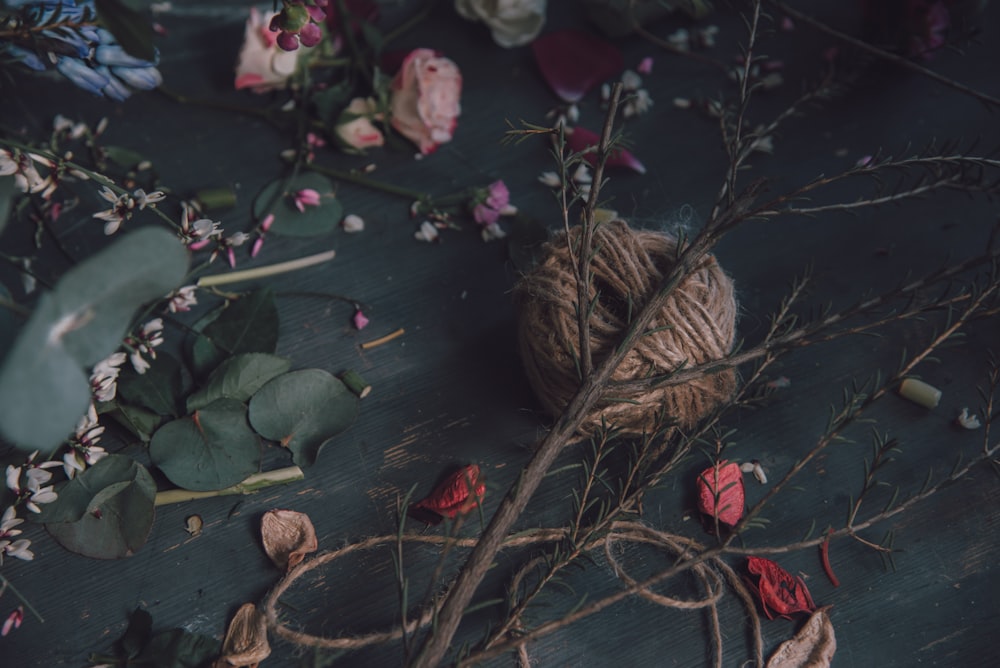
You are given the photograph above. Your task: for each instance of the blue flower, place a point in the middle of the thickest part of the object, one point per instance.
(62, 34)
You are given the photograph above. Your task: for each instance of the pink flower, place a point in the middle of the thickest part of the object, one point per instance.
(13, 621)
(425, 99)
(262, 66)
(360, 320)
(355, 127)
(306, 197)
(495, 202)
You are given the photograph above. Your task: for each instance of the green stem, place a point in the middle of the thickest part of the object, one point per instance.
(254, 483)
(7, 584)
(364, 181)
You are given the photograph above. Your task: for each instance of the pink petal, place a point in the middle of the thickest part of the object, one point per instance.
(574, 61)
(581, 139)
(360, 321)
(645, 66)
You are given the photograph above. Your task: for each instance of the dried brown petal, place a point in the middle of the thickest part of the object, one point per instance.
(812, 647)
(246, 640)
(193, 525)
(288, 537)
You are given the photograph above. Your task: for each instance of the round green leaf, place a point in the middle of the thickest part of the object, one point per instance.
(246, 325)
(238, 378)
(302, 410)
(44, 387)
(159, 389)
(212, 449)
(288, 220)
(105, 512)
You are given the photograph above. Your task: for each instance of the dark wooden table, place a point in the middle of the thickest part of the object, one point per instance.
(451, 390)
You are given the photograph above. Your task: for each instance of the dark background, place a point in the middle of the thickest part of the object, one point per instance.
(451, 390)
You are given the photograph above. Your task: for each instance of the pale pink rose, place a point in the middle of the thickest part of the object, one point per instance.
(425, 99)
(262, 66)
(355, 127)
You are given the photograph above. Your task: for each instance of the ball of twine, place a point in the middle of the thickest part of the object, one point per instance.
(696, 325)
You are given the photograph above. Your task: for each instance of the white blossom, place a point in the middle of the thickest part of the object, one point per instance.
(182, 299)
(550, 179)
(104, 377)
(968, 420)
(427, 232)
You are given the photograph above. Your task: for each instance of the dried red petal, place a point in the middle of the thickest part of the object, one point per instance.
(457, 494)
(720, 492)
(780, 592)
(574, 61)
(581, 139)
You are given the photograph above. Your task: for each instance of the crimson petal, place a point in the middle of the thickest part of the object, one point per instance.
(574, 61)
(581, 139)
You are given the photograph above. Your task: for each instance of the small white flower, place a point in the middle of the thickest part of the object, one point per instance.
(144, 199)
(968, 420)
(631, 81)
(550, 179)
(492, 232)
(139, 362)
(427, 232)
(14, 478)
(638, 103)
(182, 299)
(42, 495)
(680, 39)
(237, 239)
(19, 549)
(104, 377)
(682, 103)
(8, 522)
(353, 223)
(572, 114)
(582, 174)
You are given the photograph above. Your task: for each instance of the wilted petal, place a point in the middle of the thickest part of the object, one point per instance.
(574, 61)
(457, 494)
(288, 537)
(246, 639)
(720, 492)
(581, 139)
(780, 592)
(814, 645)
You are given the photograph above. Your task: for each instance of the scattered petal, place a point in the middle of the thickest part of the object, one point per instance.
(968, 420)
(193, 525)
(353, 223)
(288, 537)
(780, 593)
(360, 320)
(582, 139)
(645, 65)
(550, 179)
(457, 494)
(427, 232)
(574, 61)
(720, 492)
(246, 639)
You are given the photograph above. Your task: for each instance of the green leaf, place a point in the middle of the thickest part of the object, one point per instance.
(178, 648)
(302, 410)
(278, 198)
(238, 378)
(159, 389)
(138, 633)
(123, 157)
(44, 387)
(113, 504)
(246, 325)
(212, 449)
(132, 30)
(329, 102)
(140, 422)
(7, 191)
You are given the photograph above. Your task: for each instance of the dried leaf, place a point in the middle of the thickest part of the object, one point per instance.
(812, 647)
(780, 592)
(720, 492)
(246, 640)
(457, 494)
(288, 537)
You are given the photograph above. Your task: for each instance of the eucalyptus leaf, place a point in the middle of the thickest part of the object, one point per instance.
(239, 377)
(245, 325)
(178, 648)
(159, 389)
(44, 388)
(278, 198)
(116, 498)
(138, 633)
(302, 410)
(7, 191)
(8, 321)
(212, 449)
(123, 157)
(132, 30)
(140, 422)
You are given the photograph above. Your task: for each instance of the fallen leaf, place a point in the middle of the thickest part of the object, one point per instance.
(812, 647)
(246, 639)
(288, 537)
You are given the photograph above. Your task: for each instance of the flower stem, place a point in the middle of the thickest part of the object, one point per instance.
(364, 181)
(268, 270)
(254, 483)
(7, 584)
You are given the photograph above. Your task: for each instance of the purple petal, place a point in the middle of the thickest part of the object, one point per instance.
(574, 61)
(581, 139)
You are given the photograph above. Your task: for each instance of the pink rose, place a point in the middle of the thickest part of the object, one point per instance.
(425, 99)
(355, 127)
(262, 66)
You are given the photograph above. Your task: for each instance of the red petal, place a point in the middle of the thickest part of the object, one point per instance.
(459, 493)
(581, 139)
(574, 61)
(720, 492)
(779, 590)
